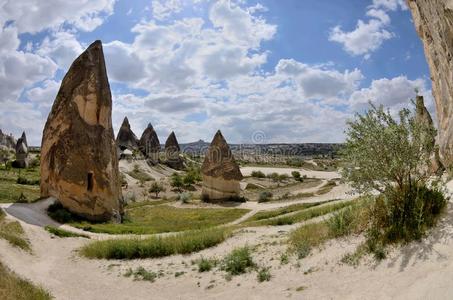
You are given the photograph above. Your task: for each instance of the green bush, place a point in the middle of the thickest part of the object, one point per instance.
(296, 175)
(238, 261)
(60, 214)
(341, 222)
(205, 265)
(265, 196)
(258, 174)
(264, 274)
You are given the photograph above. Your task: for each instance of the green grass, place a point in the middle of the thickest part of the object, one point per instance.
(13, 287)
(301, 216)
(10, 191)
(141, 274)
(64, 233)
(131, 205)
(239, 261)
(284, 210)
(344, 222)
(13, 233)
(327, 187)
(264, 274)
(140, 175)
(181, 243)
(164, 218)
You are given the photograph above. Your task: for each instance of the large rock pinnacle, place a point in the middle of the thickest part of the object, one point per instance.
(79, 163)
(433, 20)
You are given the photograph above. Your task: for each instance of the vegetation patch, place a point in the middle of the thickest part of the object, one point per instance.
(141, 274)
(139, 174)
(164, 218)
(12, 287)
(64, 233)
(181, 243)
(239, 261)
(264, 274)
(13, 232)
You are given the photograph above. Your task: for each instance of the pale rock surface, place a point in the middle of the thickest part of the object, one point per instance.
(79, 165)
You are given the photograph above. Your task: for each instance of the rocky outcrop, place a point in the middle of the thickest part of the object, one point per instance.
(79, 163)
(423, 117)
(7, 140)
(433, 20)
(149, 144)
(21, 152)
(220, 172)
(126, 139)
(172, 153)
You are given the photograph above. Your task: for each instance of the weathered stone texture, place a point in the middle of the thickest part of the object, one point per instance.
(7, 140)
(434, 23)
(21, 152)
(126, 139)
(79, 163)
(221, 173)
(149, 144)
(172, 153)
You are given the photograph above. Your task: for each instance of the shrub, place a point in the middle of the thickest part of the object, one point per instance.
(185, 197)
(238, 261)
(176, 181)
(182, 243)
(205, 265)
(341, 221)
(296, 175)
(274, 176)
(156, 188)
(258, 174)
(60, 214)
(238, 199)
(264, 274)
(141, 274)
(265, 196)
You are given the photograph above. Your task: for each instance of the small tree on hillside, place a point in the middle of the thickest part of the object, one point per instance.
(156, 188)
(176, 181)
(393, 157)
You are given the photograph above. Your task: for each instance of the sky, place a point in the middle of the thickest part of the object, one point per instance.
(261, 71)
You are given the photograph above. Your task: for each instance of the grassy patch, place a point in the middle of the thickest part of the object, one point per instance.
(10, 191)
(301, 216)
(13, 287)
(164, 218)
(205, 264)
(267, 214)
(239, 261)
(182, 243)
(64, 233)
(327, 187)
(141, 274)
(351, 219)
(13, 232)
(132, 205)
(139, 174)
(264, 274)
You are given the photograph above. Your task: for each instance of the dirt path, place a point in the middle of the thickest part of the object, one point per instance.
(417, 271)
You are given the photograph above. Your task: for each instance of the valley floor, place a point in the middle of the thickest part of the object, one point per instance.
(420, 270)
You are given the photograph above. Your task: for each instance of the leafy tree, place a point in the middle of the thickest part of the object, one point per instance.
(156, 188)
(176, 181)
(392, 156)
(296, 175)
(189, 179)
(258, 174)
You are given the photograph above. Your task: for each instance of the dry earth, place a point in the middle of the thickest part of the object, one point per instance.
(418, 271)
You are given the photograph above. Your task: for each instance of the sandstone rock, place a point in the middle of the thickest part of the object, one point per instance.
(172, 153)
(21, 152)
(126, 139)
(220, 172)
(149, 144)
(79, 163)
(7, 140)
(423, 116)
(434, 23)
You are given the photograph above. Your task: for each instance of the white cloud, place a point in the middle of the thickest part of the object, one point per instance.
(36, 15)
(162, 9)
(62, 47)
(368, 36)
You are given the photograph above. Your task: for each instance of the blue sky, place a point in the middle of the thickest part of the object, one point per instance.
(285, 70)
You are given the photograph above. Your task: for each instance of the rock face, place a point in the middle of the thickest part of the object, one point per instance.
(172, 151)
(126, 139)
(221, 173)
(7, 140)
(21, 152)
(79, 163)
(423, 117)
(149, 144)
(434, 23)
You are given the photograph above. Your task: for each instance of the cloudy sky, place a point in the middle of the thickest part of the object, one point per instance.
(259, 70)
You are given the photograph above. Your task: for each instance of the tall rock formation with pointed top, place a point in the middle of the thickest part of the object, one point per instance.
(79, 163)
(149, 144)
(221, 173)
(433, 20)
(7, 141)
(126, 139)
(423, 117)
(172, 153)
(21, 152)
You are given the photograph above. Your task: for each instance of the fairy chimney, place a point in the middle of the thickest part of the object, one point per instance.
(172, 151)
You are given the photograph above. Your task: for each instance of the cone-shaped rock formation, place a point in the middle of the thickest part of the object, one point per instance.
(221, 173)
(149, 144)
(21, 152)
(433, 21)
(79, 163)
(126, 139)
(423, 117)
(172, 151)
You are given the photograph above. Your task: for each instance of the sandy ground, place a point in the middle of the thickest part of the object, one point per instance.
(422, 270)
